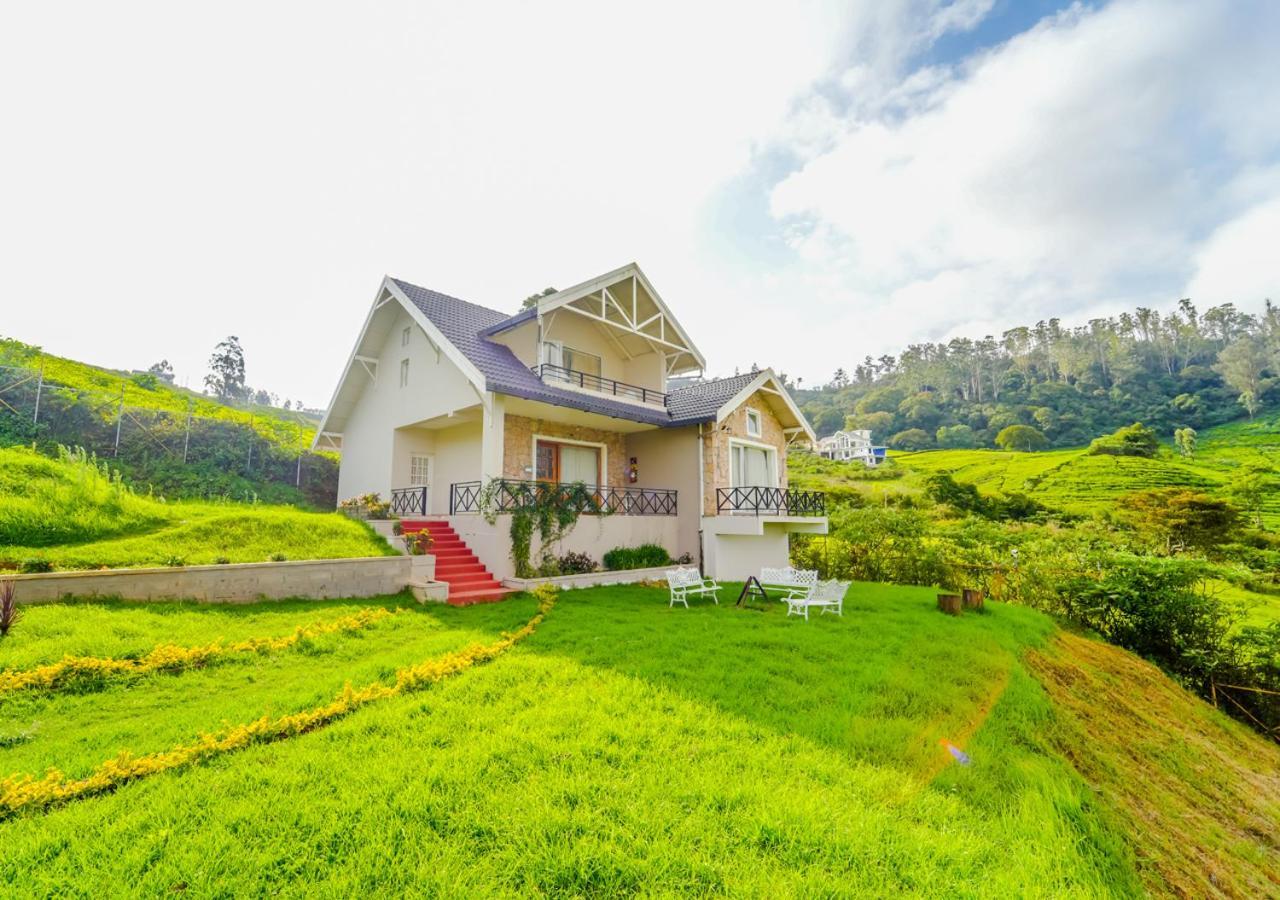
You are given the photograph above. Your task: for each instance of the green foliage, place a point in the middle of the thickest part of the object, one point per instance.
(574, 563)
(1133, 440)
(1022, 438)
(226, 371)
(1185, 440)
(911, 439)
(954, 437)
(550, 510)
(645, 556)
(942, 488)
(1173, 519)
(35, 566)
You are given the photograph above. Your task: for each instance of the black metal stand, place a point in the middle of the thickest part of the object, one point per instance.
(753, 588)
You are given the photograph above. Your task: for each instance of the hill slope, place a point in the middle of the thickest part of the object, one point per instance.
(71, 513)
(604, 756)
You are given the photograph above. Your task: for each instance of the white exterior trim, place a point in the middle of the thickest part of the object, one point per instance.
(758, 383)
(758, 445)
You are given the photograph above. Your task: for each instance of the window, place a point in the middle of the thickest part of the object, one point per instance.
(751, 466)
(404, 336)
(566, 463)
(753, 423)
(578, 361)
(404, 373)
(419, 471)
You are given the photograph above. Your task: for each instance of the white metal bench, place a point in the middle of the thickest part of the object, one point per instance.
(828, 596)
(795, 583)
(685, 581)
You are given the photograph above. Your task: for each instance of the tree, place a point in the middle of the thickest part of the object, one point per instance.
(1241, 365)
(1185, 440)
(1249, 489)
(911, 439)
(162, 370)
(226, 377)
(957, 437)
(840, 380)
(532, 300)
(1132, 440)
(1175, 519)
(1021, 437)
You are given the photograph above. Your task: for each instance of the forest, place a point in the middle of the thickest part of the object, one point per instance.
(1180, 369)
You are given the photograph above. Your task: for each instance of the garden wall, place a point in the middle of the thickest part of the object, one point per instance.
(319, 579)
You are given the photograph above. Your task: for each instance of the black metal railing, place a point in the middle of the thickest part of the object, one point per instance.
(509, 495)
(767, 501)
(409, 501)
(549, 372)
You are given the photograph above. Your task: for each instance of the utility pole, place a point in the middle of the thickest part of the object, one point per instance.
(186, 439)
(119, 418)
(35, 418)
(297, 479)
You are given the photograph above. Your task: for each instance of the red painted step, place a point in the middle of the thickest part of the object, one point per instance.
(456, 565)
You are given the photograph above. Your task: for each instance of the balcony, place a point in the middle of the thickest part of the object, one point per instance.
(585, 380)
(510, 495)
(767, 501)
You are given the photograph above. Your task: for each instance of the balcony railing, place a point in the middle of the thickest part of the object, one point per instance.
(767, 501)
(587, 381)
(510, 495)
(409, 501)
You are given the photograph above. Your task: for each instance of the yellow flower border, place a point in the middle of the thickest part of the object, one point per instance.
(173, 658)
(19, 793)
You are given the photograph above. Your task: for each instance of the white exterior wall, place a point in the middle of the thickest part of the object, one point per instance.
(374, 454)
(668, 458)
(735, 557)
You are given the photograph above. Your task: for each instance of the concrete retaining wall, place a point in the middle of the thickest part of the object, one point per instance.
(242, 582)
(591, 579)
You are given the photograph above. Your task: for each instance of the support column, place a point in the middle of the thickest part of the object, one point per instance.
(492, 437)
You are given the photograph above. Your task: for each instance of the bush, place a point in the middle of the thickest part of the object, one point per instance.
(911, 439)
(575, 564)
(9, 612)
(278, 557)
(1134, 440)
(35, 566)
(174, 562)
(1021, 437)
(221, 561)
(645, 556)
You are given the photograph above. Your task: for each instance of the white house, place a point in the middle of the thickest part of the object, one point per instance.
(851, 445)
(441, 397)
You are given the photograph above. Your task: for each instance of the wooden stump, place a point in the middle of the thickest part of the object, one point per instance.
(949, 604)
(973, 599)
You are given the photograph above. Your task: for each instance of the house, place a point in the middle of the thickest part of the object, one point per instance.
(851, 445)
(441, 398)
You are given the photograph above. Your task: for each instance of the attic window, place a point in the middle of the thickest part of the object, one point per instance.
(753, 423)
(404, 336)
(404, 373)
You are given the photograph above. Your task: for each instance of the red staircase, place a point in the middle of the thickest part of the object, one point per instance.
(469, 581)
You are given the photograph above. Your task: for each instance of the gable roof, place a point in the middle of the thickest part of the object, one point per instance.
(464, 329)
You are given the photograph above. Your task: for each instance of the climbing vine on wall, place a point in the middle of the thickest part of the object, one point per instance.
(551, 510)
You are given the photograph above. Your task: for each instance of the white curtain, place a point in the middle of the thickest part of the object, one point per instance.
(579, 464)
(751, 467)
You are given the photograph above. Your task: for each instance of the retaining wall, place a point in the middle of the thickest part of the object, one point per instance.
(318, 579)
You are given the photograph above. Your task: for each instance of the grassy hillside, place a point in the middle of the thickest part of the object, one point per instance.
(74, 514)
(805, 760)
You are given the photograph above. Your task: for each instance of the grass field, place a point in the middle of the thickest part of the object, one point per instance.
(626, 747)
(74, 515)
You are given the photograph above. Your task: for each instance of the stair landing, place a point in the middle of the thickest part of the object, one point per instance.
(456, 565)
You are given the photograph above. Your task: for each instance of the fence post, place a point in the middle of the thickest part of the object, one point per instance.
(119, 418)
(35, 418)
(297, 479)
(186, 438)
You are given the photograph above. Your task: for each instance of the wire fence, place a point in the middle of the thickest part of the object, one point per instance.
(240, 453)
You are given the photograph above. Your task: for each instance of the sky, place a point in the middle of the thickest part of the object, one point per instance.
(804, 183)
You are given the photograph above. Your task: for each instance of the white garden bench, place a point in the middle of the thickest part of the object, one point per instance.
(828, 596)
(793, 582)
(685, 581)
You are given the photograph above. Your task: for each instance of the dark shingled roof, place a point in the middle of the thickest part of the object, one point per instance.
(465, 325)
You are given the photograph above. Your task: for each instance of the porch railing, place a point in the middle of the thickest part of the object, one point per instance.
(409, 501)
(510, 495)
(767, 501)
(549, 372)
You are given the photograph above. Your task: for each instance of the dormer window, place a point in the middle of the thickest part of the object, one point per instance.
(753, 423)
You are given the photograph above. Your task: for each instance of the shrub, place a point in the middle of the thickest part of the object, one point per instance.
(35, 566)
(911, 439)
(417, 543)
(174, 561)
(1021, 437)
(9, 612)
(576, 564)
(1134, 440)
(278, 557)
(1173, 519)
(366, 506)
(221, 561)
(645, 556)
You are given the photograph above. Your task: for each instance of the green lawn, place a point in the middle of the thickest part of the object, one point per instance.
(73, 514)
(625, 747)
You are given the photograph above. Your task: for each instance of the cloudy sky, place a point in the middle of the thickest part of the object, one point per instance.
(805, 183)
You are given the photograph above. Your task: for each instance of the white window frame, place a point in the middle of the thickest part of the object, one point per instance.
(404, 373)
(774, 472)
(552, 439)
(404, 335)
(759, 420)
(599, 373)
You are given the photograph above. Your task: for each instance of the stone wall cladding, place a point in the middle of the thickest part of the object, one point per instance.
(517, 456)
(237, 583)
(715, 446)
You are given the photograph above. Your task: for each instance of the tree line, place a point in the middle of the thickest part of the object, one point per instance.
(1181, 369)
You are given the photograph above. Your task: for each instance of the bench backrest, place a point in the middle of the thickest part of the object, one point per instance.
(683, 577)
(789, 575)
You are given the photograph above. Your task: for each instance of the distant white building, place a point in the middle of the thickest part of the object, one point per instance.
(851, 445)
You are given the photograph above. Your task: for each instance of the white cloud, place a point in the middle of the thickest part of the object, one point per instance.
(1073, 168)
(1240, 262)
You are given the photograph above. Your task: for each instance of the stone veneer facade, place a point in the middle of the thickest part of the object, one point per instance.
(715, 446)
(517, 456)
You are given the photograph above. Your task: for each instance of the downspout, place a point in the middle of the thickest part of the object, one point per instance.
(702, 502)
